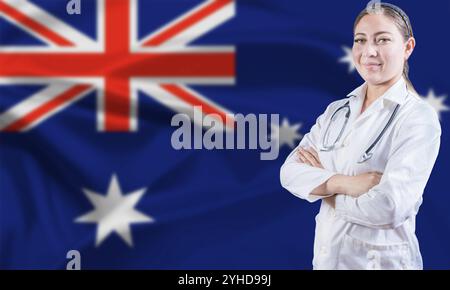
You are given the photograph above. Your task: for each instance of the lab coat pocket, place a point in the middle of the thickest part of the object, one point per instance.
(356, 254)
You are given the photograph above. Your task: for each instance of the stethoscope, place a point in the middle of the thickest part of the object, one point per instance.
(368, 153)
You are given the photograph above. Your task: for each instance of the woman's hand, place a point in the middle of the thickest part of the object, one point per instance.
(360, 184)
(309, 156)
(349, 185)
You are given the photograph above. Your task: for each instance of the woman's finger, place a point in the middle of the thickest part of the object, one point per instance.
(314, 152)
(303, 158)
(299, 157)
(316, 155)
(311, 159)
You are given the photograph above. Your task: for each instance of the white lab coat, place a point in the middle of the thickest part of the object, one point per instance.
(377, 229)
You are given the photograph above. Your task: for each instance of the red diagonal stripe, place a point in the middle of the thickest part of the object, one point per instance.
(186, 23)
(33, 25)
(38, 113)
(194, 101)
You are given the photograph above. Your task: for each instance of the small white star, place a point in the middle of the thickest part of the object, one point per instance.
(286, 134)
(348, 58)
(437, 102)
(114, 212)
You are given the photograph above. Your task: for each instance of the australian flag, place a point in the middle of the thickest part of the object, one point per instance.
(87, 93)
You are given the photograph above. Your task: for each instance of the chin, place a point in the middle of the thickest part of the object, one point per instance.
(375, 81)
(374, 78)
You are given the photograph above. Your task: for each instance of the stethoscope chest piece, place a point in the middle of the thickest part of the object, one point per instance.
(366, 156)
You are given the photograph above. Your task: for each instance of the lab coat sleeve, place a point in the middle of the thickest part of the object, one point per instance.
(301, 179)
(399, 193)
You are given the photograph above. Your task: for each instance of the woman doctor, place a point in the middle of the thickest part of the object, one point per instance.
(369, 156)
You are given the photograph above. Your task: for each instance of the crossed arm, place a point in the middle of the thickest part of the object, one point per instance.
(340, 184)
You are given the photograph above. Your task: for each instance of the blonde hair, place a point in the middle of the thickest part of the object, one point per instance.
(402, 22)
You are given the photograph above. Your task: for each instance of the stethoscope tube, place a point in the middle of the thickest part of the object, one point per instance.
(327, 131)
(368, 153)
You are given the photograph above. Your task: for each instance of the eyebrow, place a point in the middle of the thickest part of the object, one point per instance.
(378, 33)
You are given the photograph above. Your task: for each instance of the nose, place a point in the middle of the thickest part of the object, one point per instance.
(370, 50)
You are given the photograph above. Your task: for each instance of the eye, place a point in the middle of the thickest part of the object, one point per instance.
(383, 40)
(359, 40)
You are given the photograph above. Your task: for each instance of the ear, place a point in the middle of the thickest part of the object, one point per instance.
(410, 44)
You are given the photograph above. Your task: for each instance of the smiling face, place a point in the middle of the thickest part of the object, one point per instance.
(379, 49)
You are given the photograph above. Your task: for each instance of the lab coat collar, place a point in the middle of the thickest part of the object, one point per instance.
(359, 92)
(395, 94)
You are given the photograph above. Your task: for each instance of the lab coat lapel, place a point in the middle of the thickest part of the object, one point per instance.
(375, 107)
(356, 99)
(396, 94)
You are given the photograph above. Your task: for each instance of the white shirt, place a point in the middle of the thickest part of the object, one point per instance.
(377, 229)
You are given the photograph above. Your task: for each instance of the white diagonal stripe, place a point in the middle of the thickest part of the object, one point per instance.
(52, 23)
(166, 98)
(35, 101)
(197, 30)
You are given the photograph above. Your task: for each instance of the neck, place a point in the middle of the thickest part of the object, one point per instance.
(375, 91)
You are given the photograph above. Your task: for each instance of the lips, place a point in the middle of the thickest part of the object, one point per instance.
(372, 65)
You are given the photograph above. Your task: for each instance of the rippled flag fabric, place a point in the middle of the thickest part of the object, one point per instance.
(86, 102)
